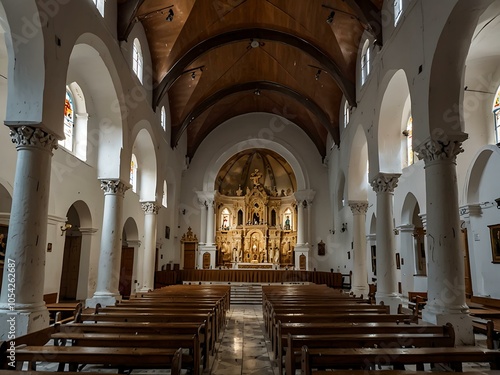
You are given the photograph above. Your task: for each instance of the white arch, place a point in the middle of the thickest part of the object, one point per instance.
(408, 209)
(396, 94)
(145, 151)
(224, 155)
(357, 180)
(5, 198)
(475, 172)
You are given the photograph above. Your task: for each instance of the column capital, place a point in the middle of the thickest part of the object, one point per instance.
(304, 195)
(358, 207)
(385, 182)
(469, 210)
(27, 136)
(407, 228)
(446, 148)
(150, 207)
(116, 187)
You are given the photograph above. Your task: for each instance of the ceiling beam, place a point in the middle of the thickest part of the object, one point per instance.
(369, 15)
(307, 102)
(127, 13)
(234, 36)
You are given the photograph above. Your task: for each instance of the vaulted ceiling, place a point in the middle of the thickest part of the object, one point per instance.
(217, 59)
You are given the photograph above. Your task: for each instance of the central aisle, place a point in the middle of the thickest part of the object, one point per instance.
(244, 348)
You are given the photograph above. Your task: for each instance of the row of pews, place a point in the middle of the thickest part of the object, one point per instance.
(174, 328)
(314, 328)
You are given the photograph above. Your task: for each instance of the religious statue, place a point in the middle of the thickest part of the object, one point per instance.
(226, 253)
(270, 253)
(276, 255)
(255, 177)
(263, 255)
(239, 191)
(287, 223)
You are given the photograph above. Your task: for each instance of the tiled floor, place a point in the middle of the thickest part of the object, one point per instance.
(243, 348)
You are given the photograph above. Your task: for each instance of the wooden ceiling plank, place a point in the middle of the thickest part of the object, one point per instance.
(307, 47)
(370, 15)
(257, 85)
(127, 13)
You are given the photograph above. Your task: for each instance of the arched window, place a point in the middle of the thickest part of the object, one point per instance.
(225, 220)
(69, 122)
(398, 10)
(164, 201)
(347, 113)
(408, 133)
(365, 62)
(137, 59)
(133, 173)
(163, 118)
(99, 4)
(496, 114)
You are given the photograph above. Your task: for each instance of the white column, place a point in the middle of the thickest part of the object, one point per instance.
(87, 275)
(445, 276)
(203, 217)
(22, 309)
(387, 285)
(210, 240)
(359, 276)
(407, 258)
(150, 229)
(300, 222)
(209, 246)
(108, 276)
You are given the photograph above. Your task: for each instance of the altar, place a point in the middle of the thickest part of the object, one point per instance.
(255, 266)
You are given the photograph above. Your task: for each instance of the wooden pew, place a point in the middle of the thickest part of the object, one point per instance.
(406, 336)
(188, 342)
(116, 356)
(367, 358)
(284, 329)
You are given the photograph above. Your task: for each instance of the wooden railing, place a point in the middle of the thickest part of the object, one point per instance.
(169, 277)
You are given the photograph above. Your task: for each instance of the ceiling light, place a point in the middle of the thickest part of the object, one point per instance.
(257, 92)
(329, 20)
(170, 16)
(316, 76)
(193, 76)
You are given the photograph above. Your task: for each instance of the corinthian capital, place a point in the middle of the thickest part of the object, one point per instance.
(385, 182)
(113, 187)
(358, 207)
(150, 207)
(443, 149)
(25, 136)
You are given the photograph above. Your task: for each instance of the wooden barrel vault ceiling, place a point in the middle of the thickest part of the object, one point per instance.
(217, 59)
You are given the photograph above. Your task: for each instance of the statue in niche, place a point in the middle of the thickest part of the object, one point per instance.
(263, 255)
(282, 194)
(270, 253)
(256, 219)
(226, 253)
(255, 177)
(287, 222)
(276, 255)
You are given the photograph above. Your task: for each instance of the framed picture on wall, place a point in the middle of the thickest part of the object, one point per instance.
(495, 242)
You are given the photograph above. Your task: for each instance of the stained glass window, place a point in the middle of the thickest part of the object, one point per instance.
(365, 62)
(496, 113)
(163, 118)
(164, 199)
(409, 141)
(398, 10)
(347, 113)
(137, 60)
(69, 122)
(133, 173)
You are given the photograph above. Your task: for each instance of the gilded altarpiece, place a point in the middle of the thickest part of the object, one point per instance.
(261, 229)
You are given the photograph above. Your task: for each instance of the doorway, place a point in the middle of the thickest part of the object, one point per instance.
(126, 270)
(71, 267)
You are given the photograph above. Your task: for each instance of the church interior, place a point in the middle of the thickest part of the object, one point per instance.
(353, 143)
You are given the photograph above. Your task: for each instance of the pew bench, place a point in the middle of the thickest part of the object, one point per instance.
(368, 358)
(443, 337)
(187, 342)
(115, 356)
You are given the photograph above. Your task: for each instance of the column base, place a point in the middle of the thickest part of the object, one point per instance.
(21, 322)
(144, 290)
(107, 299)
(302, 249)
(461, 320)
(210, 249)
(360, 290)
(389, 299)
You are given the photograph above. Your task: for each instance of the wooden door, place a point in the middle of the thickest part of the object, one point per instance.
(70, 268)
(189, 255)
(126, 268)
(468, 280)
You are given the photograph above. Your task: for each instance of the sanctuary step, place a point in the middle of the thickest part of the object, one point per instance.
(246, 294)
